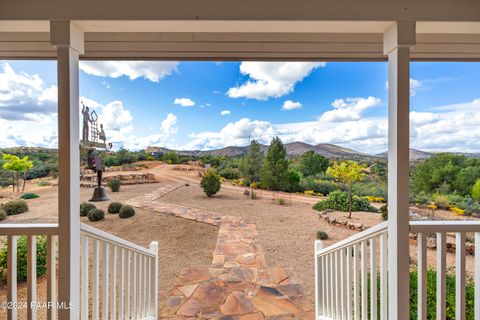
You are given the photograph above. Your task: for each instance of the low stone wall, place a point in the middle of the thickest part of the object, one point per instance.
(90, 181)
(343, 222)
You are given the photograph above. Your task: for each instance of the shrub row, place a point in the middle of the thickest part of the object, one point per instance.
(94, 214)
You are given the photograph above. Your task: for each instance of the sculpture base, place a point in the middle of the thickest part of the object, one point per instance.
(99, 194)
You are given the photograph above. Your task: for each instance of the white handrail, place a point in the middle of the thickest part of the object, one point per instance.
(356, 238)
(30, 229)
(444, 226)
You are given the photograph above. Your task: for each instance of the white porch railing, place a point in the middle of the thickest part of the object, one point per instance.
(118, 279)
(346, 270)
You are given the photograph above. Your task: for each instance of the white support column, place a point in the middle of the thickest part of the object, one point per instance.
(397, 43)
(69, 42)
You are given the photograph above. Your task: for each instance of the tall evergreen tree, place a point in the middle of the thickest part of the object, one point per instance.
(251, 165)
(275, 167)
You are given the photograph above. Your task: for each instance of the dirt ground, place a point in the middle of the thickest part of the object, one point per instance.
(287, 233)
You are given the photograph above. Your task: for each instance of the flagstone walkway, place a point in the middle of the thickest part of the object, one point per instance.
(238, 285)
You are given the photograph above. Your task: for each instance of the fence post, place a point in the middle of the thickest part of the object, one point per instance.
(318, 279)
(154, 280)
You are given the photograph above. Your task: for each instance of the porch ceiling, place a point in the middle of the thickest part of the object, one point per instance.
(242, 40)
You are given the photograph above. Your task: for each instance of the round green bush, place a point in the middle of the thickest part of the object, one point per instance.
(85, 208)
(3, 215)
(322, 235)
(114, 185)
(29, 195)
(15, 207)
(281, 201)
(114, 207)
(96, 215)
(126, 212)
(339, 201)
(210, 183)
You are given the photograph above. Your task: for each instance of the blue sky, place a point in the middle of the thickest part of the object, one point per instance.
(207, 105)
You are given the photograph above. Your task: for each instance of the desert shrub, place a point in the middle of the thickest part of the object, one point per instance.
(85, 208)
(29, 195)
(422, 199)
(338, 200)
(114, 185)
(96, 215)
(43, 183)
(229, 173)
(22, 258)
(375, 199)
(150, 158)
(319, 186)
(3, 214)
(254, 185)
(322, 235)
(14, 207)
(114, 207)
(281, 201)
(126, 212)
(441, 201)
(210, 183)
(371, 188)
(384, 212)
(457, 211)
(253, 195)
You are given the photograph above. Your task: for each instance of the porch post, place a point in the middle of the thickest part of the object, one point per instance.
(397, 42)
(69, 42)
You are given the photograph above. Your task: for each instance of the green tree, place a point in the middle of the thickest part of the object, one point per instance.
(17, 166)
(251, 164)
(476, 190)
(210, 183)
(171, 157)
(292, 181)
(275, 166)
(347, 173)
(312, 163)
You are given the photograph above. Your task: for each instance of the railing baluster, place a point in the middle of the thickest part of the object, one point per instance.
(95, 279)
(51, 276)
(140, 286)
(477, 276)
(12, 276)
(441, 279)
(84, 278)
(113, 283)
(332, 286)
(342, 284)
(460, 276)
(349, 282)
(129, 285)
(134, 283)
(105, 283)
(154, 293)
(318, 279)
(384, 276)
(356, 282)
(337, 284)
(373, 278)
(31, 277)
(145, 276)
(364, 281)
(422, 276)
(121, 289)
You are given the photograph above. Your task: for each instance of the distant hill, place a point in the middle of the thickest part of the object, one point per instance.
(418, 155)
(294, 149)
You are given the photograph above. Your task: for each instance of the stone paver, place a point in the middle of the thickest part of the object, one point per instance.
(238, 285)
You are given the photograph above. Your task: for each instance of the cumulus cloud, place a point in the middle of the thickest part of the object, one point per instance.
(349, 109)
(271, 79)
(225, 112)
(24, 96)
(290, 105)
(452, 128)
(184, 102)
(150, 70)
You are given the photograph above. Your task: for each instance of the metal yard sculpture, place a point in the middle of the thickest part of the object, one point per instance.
(90, 142)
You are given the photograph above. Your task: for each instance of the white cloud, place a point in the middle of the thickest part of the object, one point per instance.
(415, 85)
(184, 102)
(163, 138)
(150, 70)
(25, 97)
(225, 112)
(271, 79)
(349, 109)
(452, 128)
(290, 105)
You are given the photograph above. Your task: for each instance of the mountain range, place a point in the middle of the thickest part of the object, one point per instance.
(295, 149)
